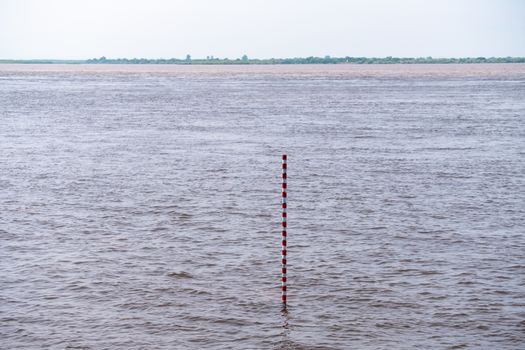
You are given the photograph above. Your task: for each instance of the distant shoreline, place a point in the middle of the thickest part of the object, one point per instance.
(272, 61)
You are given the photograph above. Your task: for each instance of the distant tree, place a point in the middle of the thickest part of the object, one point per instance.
(295, 60)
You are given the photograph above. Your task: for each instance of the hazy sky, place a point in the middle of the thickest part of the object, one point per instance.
(260, 28)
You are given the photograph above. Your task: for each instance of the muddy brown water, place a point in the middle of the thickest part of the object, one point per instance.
(139, 206)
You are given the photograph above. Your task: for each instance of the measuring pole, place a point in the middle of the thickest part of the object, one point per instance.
(283, 233)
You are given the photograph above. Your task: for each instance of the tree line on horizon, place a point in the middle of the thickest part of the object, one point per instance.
(296, 60)
(310, 60)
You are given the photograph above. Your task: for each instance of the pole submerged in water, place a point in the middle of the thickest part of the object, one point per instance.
(283, 233)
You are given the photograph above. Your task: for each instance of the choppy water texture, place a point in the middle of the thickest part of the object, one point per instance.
(139, 207)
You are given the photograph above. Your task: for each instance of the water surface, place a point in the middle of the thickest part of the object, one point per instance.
(139, 206)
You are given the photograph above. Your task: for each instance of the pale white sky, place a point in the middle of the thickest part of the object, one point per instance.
(72, 29)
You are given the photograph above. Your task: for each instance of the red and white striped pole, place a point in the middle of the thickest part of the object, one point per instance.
(283, 234)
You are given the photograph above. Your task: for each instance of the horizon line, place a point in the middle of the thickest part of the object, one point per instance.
(245, 60)
(212, 57)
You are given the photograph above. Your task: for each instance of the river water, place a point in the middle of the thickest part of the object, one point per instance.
(140, 207)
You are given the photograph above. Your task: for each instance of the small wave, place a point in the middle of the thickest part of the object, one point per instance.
(181, 274)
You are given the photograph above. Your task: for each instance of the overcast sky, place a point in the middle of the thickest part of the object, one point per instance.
(72, 29)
